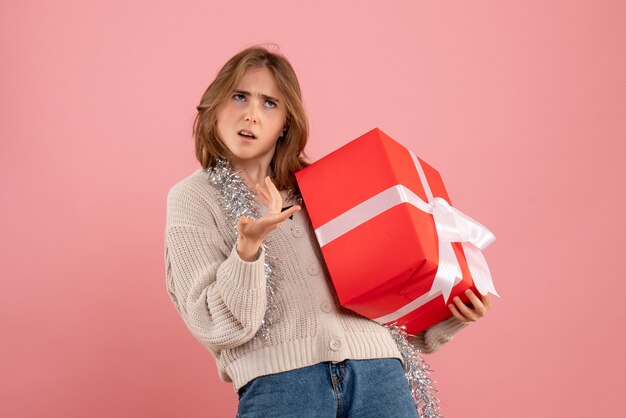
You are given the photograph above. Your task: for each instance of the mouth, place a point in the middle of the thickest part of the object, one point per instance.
(246, 134)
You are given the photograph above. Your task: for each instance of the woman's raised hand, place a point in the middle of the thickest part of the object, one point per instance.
(252, 232)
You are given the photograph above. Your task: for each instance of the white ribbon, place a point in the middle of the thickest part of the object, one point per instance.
(452, 226)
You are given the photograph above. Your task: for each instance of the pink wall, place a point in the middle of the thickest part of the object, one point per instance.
(520, 105)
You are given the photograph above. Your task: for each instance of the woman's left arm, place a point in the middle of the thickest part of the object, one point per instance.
(433, 338)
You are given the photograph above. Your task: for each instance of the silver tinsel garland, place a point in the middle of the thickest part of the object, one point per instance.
(238, 200)
(416, 371)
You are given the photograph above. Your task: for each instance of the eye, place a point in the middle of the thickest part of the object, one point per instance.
(239, 97)
(270, 103)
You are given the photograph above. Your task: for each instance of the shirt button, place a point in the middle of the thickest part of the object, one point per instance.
(335, 344)
(325, 307)
(312, 269)
(297, 231)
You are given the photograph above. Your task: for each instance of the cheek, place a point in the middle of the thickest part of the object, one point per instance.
(224, 115)
(223, 125)
(228, 111)
(278, 121)
(225, 120)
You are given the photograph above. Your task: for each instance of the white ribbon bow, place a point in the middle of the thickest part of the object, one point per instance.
(452, 226)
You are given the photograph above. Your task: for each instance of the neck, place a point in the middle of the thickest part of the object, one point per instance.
(252, 172)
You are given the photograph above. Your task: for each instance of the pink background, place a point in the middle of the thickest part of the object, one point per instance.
(520, 105)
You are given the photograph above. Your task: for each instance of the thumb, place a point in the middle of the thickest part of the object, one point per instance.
(242, 222)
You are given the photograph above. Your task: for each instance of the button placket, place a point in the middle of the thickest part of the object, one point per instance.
(312, 269)
(335, 344)
(325, 307)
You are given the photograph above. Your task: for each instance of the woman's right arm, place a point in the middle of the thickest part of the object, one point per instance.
(221, 297)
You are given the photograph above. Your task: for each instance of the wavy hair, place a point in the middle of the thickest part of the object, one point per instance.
(289, 156)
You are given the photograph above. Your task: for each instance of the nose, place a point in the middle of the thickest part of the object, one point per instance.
(251, 114)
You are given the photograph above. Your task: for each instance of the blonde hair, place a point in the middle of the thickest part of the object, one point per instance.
(289, 155)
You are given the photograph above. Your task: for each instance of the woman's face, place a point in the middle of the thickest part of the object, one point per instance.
(252, 118)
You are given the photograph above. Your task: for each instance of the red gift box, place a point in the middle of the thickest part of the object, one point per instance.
(395, 248)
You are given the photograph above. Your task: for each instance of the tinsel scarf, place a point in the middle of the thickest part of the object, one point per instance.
(238, 200)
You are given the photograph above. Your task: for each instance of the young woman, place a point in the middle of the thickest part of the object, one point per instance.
(246, 274)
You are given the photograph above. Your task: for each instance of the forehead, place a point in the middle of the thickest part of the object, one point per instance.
(259, 81)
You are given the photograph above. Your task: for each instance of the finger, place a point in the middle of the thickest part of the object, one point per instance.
(456, 313)
(243, 221)
(479, 308)
(467, 312)
(258, 230)
(270, 221)
(263, 194)
(291, 211)
(276, 198)
(486, 300)
(282, 216)
(264, 190)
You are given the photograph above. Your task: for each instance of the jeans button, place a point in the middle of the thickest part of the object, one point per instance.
(335, 344)
(297, 231)
(325, 307)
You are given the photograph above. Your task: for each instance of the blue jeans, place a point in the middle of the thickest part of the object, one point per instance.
(351, 388)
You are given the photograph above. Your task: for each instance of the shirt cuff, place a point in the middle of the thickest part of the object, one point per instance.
(245, 274)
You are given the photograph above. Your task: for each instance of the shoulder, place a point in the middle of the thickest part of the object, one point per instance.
(196, 184)
(191, 198)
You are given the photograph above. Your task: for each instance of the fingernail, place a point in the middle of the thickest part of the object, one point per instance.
(468, 292)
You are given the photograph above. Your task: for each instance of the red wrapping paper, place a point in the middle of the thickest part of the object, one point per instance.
(390, 260)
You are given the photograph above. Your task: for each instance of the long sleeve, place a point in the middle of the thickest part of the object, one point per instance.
(431, 340)
(221, 298)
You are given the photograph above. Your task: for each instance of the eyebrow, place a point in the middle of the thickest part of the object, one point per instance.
(265, 96)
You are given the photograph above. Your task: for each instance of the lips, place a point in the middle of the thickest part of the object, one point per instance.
(246, 134)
